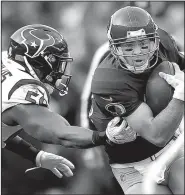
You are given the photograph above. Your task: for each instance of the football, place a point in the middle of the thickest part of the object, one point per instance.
(158, 91)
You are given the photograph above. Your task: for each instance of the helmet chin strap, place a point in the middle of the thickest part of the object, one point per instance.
(32, 72)
(49, 88)
(140, 69)
(60, 84)
(134, 69)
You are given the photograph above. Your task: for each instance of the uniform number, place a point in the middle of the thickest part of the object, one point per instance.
(36, 98)
(5, 73)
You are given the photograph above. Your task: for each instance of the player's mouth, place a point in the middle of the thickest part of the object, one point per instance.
(139, 62)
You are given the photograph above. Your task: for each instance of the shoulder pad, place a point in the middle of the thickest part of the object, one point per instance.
(24, 91)
(167, 40)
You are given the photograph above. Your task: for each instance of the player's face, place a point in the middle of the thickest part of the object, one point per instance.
(136, 52)
(62, 83)
(63, 78)
(65, 69)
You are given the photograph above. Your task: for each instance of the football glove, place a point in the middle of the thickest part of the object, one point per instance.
(120, 134)
(56, 164)
(176, 81)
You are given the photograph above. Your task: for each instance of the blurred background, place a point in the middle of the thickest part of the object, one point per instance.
(83, 24)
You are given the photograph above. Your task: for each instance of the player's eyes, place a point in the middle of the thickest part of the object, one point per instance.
(144, 44)
(145, 47)
(129, 45)
(124, 49)
(129, 49)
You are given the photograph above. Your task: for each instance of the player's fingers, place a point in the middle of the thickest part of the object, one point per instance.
(65, 170)
(168, 78)
(57, 172)
(114, 122)
(67, 162)
(176, 67)
(181, 126)
(123, 124)
(165, 76)
(121, 127)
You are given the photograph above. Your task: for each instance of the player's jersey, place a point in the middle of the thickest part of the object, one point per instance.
(119, 92)
(18, 87)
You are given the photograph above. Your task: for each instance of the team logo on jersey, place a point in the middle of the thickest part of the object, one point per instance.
(116, 109)
(31, 39)
(110, 99)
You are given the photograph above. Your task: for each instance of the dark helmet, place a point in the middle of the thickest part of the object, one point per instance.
(130, 24)
(44, 54)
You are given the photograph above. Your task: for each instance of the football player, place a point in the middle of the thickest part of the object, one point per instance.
(37, 63)
(136, 47)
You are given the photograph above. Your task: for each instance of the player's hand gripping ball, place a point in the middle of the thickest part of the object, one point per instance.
(158, 92)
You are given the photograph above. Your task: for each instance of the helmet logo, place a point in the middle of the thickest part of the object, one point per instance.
(29, 39)
(136, 33)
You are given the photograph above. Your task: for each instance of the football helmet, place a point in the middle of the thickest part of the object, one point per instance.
(128, 26)
(43, 52)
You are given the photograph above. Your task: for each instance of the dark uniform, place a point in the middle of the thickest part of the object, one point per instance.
(119, 92)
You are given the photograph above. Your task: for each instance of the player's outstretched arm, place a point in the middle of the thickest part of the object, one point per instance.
(49, 127)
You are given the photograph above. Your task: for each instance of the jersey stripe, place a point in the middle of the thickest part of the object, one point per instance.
(25, 82)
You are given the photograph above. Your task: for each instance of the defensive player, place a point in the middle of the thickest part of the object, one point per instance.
(136, 47)
(37, 63)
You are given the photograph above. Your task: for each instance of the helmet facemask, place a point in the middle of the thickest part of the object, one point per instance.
(59, 77)
(136, 53)
(133, 39)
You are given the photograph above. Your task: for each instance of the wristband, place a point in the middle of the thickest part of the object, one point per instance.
(38, 157)
(99, 138)
(22, 148)
(109, 142)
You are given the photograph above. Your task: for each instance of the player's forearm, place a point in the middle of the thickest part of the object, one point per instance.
(165, 123)
(51, 128)
(173, 151)
(79, 137)
(69, 136)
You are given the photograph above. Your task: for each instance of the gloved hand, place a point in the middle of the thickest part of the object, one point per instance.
(54, 163)
(176, 81)
(120, 134)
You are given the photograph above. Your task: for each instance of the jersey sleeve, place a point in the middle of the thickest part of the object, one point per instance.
(18, 87)
(179, 55)
(98, 117)
(170, 49)
(25, 92)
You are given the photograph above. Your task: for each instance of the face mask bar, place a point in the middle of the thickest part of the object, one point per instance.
(140, 69)
(63, 85)
(115, 42)
(58, 77)
(113, 47)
